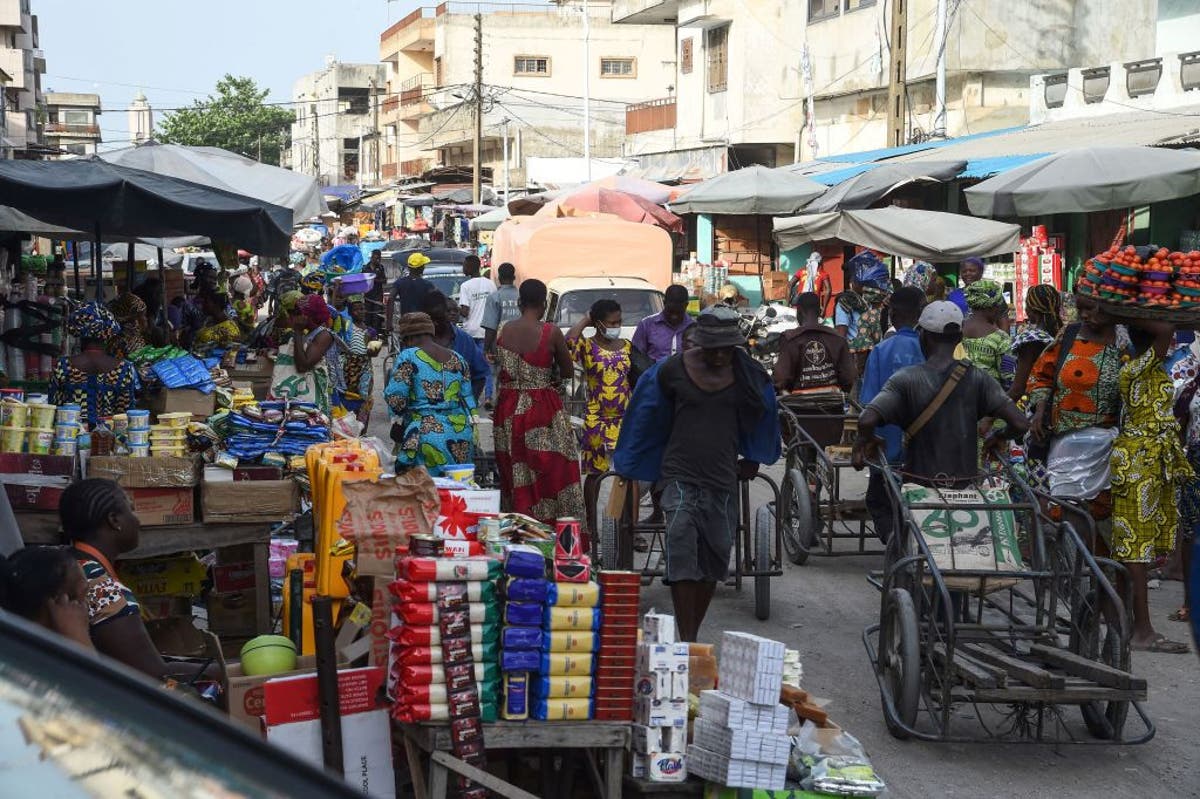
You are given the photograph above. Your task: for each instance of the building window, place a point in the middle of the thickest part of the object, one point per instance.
(716, 46)
(855, 5)
(437, 71)
(535, 65)
(823, 9)
(354, 100)
(685, 56)
(76, 117)
(618, 68)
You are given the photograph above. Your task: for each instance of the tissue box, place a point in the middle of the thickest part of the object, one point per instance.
(664, 657)
(738, 714)
(660, 712)
(647, 740)
(659, 628)
(761, 747)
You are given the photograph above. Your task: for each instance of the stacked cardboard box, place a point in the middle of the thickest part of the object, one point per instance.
(740, 738)
(619, 596)
(660, 706)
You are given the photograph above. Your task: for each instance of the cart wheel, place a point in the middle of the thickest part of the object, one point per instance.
(900, 659)
(1100, 640)
(764, 528)
(800, 520)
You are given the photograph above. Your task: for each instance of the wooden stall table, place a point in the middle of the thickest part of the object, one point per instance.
(44, 528)
(611, 738)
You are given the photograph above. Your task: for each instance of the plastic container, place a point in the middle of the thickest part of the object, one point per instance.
(66, 432)
(120, 423)
(41, 416)
(174, 420)
(139, 450)
(67, 414)
(137, 438)
(36, 399)
(139, 420)
(40, 440)
(62, 447)
(177, 452)
(358, 283)
(14, 414)
(12, 439)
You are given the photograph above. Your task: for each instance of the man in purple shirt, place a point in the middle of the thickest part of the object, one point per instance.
(660, 336)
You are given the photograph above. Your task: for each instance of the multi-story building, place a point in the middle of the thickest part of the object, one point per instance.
(24, 63)
(773, 83)
(72, 124)
(536, 62)
(141, 119)
(334, 117)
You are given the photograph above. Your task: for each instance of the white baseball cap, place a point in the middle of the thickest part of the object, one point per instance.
(937, 316)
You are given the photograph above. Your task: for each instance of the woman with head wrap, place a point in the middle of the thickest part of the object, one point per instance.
(218, 330)
(969, 271)
(362, 344)
(101, 384)
(130, 312)
(1043, 320)
(311, 372)
(430, 399)
(243, 304)
(859, 312)
(985, 331)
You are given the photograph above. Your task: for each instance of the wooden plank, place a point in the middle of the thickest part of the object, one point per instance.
(1088, 669)
(1061, 696)
(494, 784)
(519, 735)
(1016, 668)
(262, 587)
(970, 670)
(43, 528)
(416, 770)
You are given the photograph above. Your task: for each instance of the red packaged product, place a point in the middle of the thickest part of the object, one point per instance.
(568, 539)
(460, 676)
(455, 623)
(463, 703)
(452, 596)
(613, 577)
(466, 730)
(572, 571)
(456, 650)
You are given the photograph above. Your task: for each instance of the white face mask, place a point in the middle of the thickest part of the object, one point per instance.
(610, 334)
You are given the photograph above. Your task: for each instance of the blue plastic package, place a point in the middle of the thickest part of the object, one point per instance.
(522, 563)
(522, 638)
(526, 590)
(519, 660)
(523, 614)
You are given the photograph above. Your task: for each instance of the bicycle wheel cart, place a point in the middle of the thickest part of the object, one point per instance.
(1014, 632)
(757, 541)
(811, 510)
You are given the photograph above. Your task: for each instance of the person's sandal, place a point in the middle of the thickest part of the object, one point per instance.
(640, 544)
(1183, 614)
(1163, 646)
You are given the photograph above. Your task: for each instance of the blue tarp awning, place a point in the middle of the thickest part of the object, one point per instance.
(986, 167)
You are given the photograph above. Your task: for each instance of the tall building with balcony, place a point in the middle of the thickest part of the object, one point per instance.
(72, 123)
(535, 64)
(22, 60)
(334, 123)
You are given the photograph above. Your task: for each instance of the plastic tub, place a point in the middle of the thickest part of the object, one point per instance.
(66, 432)
(139, 450)
(358, 283)
(174, 420)
(41, 416)
(14, 414)
(177, 452)
(37, 399)
(62, 447)
(139, 420)
(12, 439)
(138, 438)
(40, 440)
(67, 414)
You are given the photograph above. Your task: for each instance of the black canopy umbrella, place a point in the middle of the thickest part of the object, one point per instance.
(93, 195)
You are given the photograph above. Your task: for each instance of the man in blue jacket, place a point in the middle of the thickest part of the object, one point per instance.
(690, 418)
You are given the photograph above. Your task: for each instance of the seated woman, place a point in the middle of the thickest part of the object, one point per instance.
(101, 384)
(99, 526)
(46, 586)
(130, 312)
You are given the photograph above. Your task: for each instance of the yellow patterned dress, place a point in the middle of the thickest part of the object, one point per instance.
(1148, 463)
(607, 375)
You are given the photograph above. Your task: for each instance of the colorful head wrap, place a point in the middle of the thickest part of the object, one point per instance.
(314, 309)
(288, 302)
(127, 307)
(93, 322)
(920, 275)
(353, 298)
(984, 294)
(296, 258)
(870, 271)
(243, 285)
(415, 324)
(1045, 300)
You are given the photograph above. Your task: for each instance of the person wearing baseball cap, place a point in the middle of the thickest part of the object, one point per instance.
(939, 404)
(691, 417)
(411, 289)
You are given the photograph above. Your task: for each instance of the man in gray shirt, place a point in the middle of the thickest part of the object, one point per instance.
(501, 307)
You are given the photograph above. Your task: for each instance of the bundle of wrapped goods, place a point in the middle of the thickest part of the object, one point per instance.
(525, 589)
(660, 704)
(570, 623)
(618, 645)
(442, 658)
(740, 738)
(286, 428)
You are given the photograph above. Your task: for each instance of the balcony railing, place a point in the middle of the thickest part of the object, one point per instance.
(389, 171)
(390, 104)
(651, 115)
(416, 167)
(72, 130)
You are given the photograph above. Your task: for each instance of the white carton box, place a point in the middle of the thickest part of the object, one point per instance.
(662, 657)
(673, 739)
(751, 667)
(646, 739)
(638, 766)
(748, 745)
(718, 768)
(658, 628)
(660, 712)
(679, 684)
(735, 713)
(666, 767)
(656, 685)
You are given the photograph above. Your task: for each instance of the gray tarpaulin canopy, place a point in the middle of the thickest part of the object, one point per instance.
(491, 220)
(117, 202)
(871, 186)
(221, 169)
(908, 232)
(1089, 179)
(753, 190)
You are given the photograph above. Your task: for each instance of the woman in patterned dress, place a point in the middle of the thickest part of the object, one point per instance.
(985, 337)
(99, 383)
(429, 395)
(1148, 468)
(130, 312)
(537, 453)
(606, 360)
(362, 344)
(1043, 315)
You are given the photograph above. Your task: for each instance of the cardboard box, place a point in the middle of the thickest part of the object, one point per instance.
(223, 499)
(177, 575)
(184, 400)
(233, 613)
(234, 577)
(36, 482)
(164, 607)
(461, 510)
(176, 636)
(159, 471)
(245, 694)
(163, 507)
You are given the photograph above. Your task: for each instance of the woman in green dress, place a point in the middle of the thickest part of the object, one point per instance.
(985, 331)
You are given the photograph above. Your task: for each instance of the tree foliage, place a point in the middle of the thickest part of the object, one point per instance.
(236, 118)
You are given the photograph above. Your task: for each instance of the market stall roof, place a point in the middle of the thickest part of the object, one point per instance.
(344, 193)
(593, 199)
(881, 180)
(14, 221)
(1089, 179)
(418, 200)
(221, 169)
(909, 232)
(491, 220)
(753, 190)
(530, 203)
(119, 202)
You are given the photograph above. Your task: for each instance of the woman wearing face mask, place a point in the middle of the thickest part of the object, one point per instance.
(606, 361)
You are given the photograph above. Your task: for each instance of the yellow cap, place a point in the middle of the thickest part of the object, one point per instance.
(417, 260)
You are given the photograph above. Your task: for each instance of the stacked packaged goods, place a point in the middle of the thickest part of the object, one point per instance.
(525, 589)
(618, 645)
(740, 738)
(660, 706)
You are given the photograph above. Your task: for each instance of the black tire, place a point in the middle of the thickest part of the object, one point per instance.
(900, 658)
(764, 533)
(1099, 640)
(801, 523)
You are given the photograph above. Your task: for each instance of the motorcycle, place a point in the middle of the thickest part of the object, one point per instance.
(764, 329)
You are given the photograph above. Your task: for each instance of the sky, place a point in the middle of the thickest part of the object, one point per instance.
(175, 51)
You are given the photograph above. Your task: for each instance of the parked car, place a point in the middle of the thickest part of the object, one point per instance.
(190, 259)
(396, 261)
(571, 297)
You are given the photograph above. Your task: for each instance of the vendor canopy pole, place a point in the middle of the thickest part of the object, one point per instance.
(98, 276)
(75, 260)
(161, 317)
(129, 253)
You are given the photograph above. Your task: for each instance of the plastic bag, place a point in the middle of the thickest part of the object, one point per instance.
(1078, 463)
(836, 764)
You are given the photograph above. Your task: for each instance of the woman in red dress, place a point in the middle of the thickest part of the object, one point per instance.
(537, 452)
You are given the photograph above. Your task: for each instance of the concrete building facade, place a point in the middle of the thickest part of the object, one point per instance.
(72, 123)
(534, 71)
(334, 117)
(22, 60)
(141, 119)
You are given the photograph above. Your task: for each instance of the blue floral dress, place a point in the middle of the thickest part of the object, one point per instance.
(433, 402)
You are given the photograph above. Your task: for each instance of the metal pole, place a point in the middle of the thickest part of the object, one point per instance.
(328, 699)
(939, 119)
(505, 125)
(75, 259)
(587, 91)
(897, 73)
(129, 253)
(477, 144)
(375, 171)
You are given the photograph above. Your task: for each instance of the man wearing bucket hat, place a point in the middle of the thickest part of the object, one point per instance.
(410, 290)
(939, 404)
(691, 417)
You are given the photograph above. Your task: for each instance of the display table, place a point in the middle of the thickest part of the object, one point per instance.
(43, 528)
(613, 738)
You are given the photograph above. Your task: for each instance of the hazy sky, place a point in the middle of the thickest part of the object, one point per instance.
(176, 50)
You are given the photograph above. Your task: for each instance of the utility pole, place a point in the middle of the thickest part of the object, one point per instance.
(375, 173)
(316, 158)
(939, 118)
(504, 124)
(477, 148)
(897, 73)
(587, 91)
